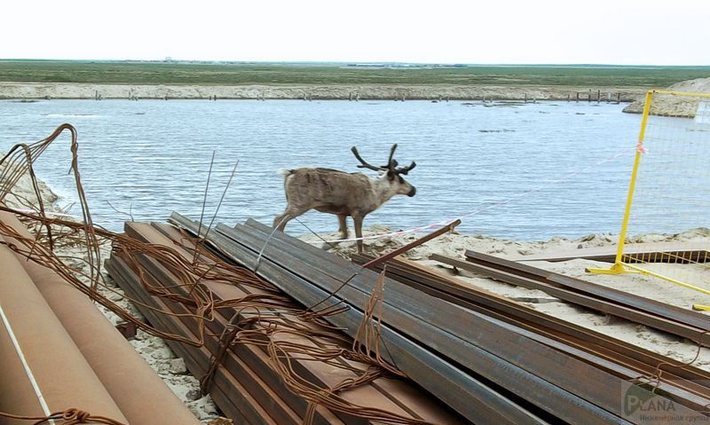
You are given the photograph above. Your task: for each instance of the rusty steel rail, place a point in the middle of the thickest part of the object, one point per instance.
(254, 244)
(382, 391)
(239, 391)
(678, 380)
(677, 321)
(448, 228)
(591, 302)
(690, 399)
(229, 395)
(461, 391)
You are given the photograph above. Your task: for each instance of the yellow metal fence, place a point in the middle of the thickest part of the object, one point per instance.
(669, 194)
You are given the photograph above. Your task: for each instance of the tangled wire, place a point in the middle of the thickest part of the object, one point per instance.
(193, 265)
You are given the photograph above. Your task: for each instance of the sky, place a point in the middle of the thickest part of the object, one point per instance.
(622, 32)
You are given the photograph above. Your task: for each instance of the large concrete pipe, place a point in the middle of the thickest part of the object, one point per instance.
(136, 388)
(42, 370)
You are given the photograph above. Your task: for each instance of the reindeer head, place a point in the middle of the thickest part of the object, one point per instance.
(393, 173)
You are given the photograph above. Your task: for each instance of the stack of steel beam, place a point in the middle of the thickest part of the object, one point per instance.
(655, 314)
(487, 370)
(246, 379)
(672, 377)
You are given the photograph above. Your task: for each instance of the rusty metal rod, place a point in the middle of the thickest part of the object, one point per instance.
(230, 395)
(657, 308)
(297, 262)
(461, 391)
(667, 323)
(265, 383)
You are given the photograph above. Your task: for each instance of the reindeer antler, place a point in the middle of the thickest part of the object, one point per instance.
(405, 170)
(391, 163)
(365, 164)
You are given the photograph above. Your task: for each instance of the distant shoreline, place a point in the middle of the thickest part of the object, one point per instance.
(46, 91)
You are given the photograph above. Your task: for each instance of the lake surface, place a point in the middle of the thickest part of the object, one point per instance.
(526, 171)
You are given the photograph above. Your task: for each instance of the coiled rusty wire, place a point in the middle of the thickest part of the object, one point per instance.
(271, 332)
(70, 416)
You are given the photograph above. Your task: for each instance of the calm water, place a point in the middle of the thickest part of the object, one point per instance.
(522, 171)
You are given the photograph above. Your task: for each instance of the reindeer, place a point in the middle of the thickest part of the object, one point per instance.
(343, 194)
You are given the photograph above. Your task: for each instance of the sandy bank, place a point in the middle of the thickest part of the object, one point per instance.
(29, 91)
(674, 106)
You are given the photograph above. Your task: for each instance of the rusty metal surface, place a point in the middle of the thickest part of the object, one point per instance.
(690, 384)
(471, 354)
(459, 390)
(134, 384)
(231, 396)
(672, 319)
(594, 303)
(34, 383)
(507, 365)
(659, 252)
(448, 228)
(243, 360)
(327, 376)
(691, 380)
(604, 392)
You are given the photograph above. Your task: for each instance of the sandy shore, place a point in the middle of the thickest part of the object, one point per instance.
(35, 91)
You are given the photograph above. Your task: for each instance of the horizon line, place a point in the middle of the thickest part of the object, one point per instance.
(355, 63)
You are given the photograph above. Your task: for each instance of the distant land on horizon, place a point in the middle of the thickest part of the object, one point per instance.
(374, 64)
(39, 78)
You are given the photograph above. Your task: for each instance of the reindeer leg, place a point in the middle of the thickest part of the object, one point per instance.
(357, 220)
(281, 220)
(343, 228)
